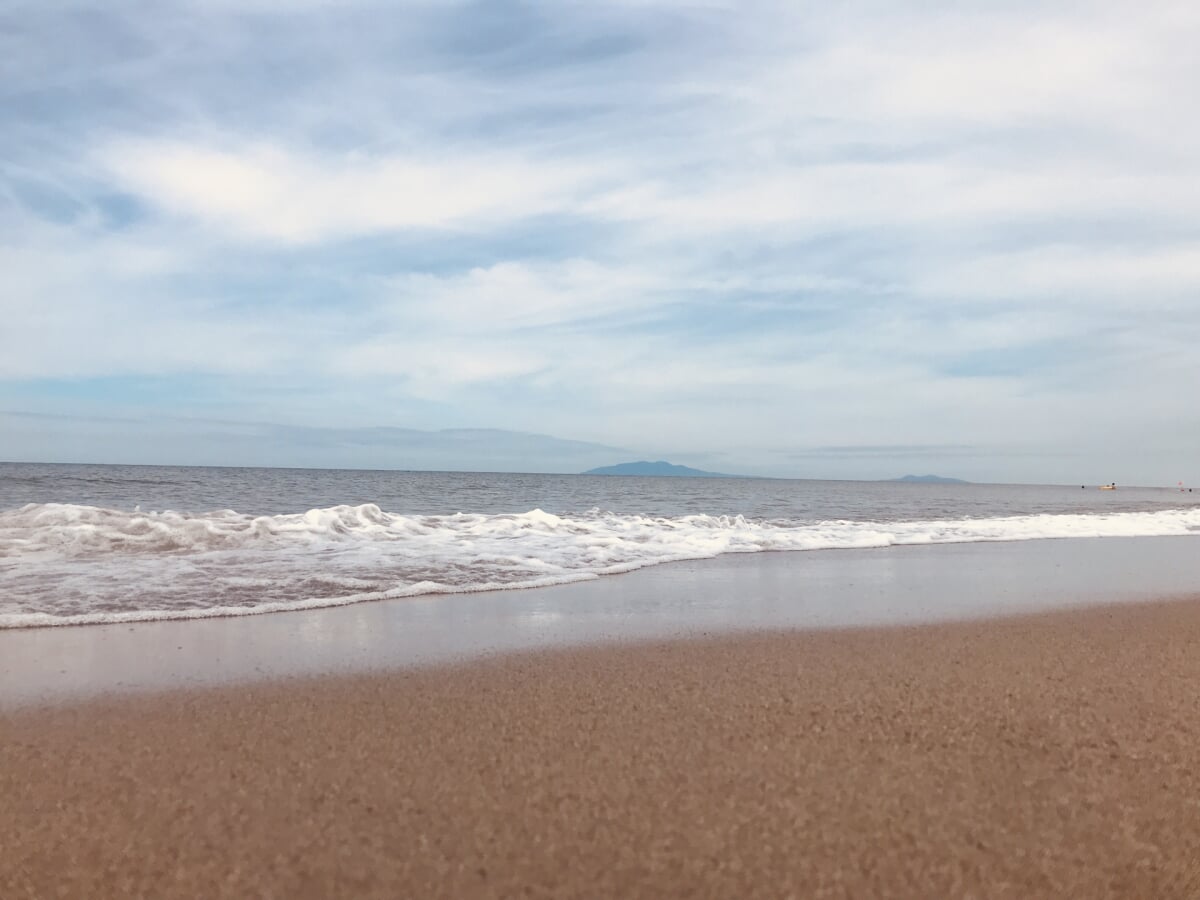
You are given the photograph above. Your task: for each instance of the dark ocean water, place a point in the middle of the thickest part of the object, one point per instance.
(82, 544)
(262, 492)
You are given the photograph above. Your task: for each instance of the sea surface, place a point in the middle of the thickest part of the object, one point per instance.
(84, 544)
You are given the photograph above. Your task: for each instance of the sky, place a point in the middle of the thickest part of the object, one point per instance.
(850, 240)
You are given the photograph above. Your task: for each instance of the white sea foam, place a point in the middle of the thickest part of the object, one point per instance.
(63, 564)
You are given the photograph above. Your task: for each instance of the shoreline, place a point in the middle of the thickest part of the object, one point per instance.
(1046, 754)
(821, 589)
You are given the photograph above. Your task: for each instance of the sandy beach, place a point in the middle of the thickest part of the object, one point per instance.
(1047, 755)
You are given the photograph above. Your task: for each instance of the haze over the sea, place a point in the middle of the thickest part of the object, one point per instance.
(761, 237)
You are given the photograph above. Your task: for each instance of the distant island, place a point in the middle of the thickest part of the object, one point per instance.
(931, 479)
(655, 468)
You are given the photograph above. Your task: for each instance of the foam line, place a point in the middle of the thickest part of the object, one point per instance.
(65, 564)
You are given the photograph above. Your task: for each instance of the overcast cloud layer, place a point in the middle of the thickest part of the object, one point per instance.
(848, 240)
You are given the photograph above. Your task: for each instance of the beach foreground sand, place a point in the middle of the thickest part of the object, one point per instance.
(1053, 755)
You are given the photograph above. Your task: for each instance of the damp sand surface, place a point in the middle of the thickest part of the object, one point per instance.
(1044, 755)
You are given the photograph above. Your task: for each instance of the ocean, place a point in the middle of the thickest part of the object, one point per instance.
(83, 544)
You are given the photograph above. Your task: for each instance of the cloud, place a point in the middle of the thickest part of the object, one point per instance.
(1158, 278)
(522, 294)
(87, 302)
(263, 191)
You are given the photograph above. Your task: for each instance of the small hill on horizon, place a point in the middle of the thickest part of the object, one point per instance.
(930, 479)
(661, 467)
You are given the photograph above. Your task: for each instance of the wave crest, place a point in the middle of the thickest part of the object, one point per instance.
(68, 564)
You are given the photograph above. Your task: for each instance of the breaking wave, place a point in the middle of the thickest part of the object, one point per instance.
(63, 564)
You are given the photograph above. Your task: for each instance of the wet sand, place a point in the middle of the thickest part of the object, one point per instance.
(735, 592)
(1041, 756)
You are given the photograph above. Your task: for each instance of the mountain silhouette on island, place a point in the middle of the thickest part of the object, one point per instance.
(655, 468)
(931, 479)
